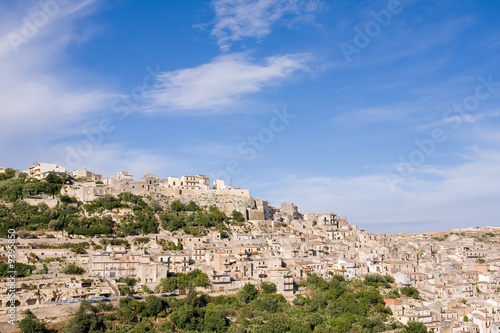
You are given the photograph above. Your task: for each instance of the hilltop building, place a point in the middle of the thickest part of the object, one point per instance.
(84, 173)
(41, 170)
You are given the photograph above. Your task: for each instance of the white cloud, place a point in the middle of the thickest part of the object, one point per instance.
(42, 96)
(457, 120)
(219, 83)
(462, 195)
(237, 19)
(376, 114)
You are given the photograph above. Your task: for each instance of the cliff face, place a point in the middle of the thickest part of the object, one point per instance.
(225, 200)
(251, 208)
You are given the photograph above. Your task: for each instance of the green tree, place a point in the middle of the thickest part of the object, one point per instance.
(154, 305)
(31, 324)
(78, 248)
(268, 287)
(410, 292)
(248, 293)
(277, 324)
(176, 206)
(85, 320)
(191, 206)
(146, 289)
(299, 300)
(389, 278)
(214, 321)
(237, 217)
(52, 178)
(198, 278)
(466, 318)
(393, 294)
(415, 327)
(21, 270)
(185, 318)
(125, 290)
(30, 190)
(73, 269)
(7, 174)
(167, 284)
(268, 303)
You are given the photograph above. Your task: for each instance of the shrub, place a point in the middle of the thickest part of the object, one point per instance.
(73, 269)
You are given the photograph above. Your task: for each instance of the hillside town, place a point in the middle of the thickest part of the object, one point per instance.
(456, 272)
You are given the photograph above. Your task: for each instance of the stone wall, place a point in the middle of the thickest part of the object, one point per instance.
(225, 202)
(49, 202)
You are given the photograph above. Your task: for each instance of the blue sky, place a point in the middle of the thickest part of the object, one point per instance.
(384, 111)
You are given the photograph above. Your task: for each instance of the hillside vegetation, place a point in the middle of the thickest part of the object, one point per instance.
(335, 306)
(90, 219)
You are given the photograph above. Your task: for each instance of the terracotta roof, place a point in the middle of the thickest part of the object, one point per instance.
(392, 301)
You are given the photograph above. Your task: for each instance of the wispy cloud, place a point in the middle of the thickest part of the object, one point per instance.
(236, 20)
(375, 114)
(39, 91)
(458, 119)
(220, 83)
(462, 195)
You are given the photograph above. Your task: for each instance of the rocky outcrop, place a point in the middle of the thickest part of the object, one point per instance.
(251, 208)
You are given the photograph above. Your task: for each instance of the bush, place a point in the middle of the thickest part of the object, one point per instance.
(31, 324)
(393, 294)
(126, 290)
(67, 199)
(129, 281)
(7, 174)
(85, 320)
(415, 327)
(268, 287)
(73, 269)
(376, 278)
(191, 206)
(237, 217)
(299, 300)
(214, 321)
(410, 292)
(22, 270)
(248, 293)
(176, 206)
(196, 278)
(154, 305)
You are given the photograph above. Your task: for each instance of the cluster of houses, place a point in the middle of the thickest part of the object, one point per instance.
(457, 276)
(458, 279)
(88, 185)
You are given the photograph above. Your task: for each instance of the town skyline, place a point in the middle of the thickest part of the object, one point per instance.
(147, 251)
(94, 180)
